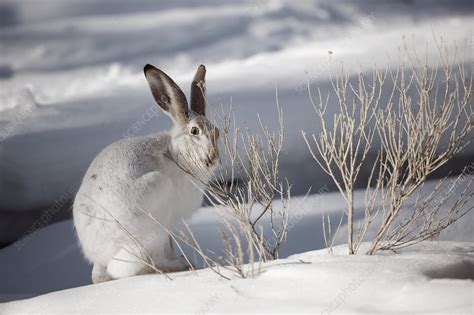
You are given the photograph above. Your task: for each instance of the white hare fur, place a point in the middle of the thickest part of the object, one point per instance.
(136, 187)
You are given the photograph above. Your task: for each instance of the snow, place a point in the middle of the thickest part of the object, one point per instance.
(429, 278)
(50, 260)
(80, 65)
(71, 83)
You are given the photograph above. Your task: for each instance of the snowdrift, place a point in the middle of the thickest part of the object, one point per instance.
(429, 278)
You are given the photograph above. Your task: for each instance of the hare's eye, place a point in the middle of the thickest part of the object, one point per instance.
(195, 131)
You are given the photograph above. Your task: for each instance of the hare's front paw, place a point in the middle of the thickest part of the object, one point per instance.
(99, 274)
(187, 265)
(175, 264)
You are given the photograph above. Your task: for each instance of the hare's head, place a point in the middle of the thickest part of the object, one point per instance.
(193, 137)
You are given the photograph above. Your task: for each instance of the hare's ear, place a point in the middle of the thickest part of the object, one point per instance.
(167, 94)
(198, 91)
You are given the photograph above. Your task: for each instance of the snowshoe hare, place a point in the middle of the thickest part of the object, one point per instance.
(136, 188)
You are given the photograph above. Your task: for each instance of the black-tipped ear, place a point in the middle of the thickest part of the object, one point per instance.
(167, 94)
(198, 91)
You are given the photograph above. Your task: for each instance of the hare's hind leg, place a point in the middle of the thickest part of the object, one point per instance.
(99, 274)
(127, 264)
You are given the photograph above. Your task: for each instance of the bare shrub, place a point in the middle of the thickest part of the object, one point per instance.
(243, 191)
(342, 149)
(423, 120)
(255, 158)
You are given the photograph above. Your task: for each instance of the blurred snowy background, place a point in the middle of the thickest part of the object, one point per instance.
(71, 79)
(71, 76)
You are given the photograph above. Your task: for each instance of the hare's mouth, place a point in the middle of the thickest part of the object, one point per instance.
(210, 162)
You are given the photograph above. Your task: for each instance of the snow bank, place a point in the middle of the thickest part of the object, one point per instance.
(50, 259)
(429, 278)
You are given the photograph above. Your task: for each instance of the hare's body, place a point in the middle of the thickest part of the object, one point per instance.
(137, 189)
(148, 183)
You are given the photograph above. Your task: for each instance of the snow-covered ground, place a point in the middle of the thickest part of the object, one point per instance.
(435, 277)
(50, 260)
(71, 82)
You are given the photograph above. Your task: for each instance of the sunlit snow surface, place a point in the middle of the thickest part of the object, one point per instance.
(50, 260)
(430, 278)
